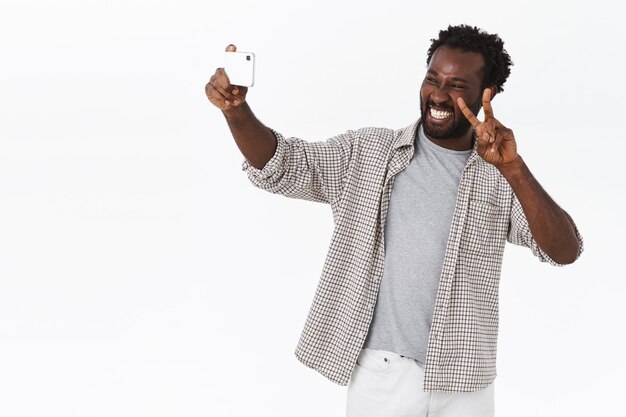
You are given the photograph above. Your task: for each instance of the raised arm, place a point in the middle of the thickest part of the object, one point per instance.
(288, 166)
(255, 141)
(551, 227)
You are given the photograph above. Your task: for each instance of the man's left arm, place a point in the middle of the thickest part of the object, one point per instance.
(551, 227)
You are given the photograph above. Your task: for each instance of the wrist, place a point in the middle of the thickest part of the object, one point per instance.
(236, 112)
(511, 168)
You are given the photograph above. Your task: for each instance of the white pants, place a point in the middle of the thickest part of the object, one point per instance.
(385, 384)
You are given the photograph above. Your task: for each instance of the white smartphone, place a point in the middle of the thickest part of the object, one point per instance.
(239, 67)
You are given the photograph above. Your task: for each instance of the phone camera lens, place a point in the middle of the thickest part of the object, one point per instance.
(247, 57)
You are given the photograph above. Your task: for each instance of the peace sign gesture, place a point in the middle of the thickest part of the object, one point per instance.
(496, 143)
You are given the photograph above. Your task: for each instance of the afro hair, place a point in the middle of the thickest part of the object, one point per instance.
(472, 39)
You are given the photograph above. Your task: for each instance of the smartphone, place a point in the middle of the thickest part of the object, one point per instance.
(239, 67)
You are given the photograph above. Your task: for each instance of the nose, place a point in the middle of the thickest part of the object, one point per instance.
(440, 95)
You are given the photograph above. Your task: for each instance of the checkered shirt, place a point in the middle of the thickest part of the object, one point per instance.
(354, 173)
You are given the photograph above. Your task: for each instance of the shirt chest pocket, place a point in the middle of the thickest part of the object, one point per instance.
(485, 229)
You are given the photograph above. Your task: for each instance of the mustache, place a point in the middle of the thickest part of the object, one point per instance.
(444, 108)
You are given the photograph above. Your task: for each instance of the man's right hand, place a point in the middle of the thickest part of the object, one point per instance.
(256, 142)
(221, 93)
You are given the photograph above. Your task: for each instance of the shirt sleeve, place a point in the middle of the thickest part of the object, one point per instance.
(312, 171)
(519, 234)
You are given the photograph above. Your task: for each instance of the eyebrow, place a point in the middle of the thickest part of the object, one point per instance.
(455, 79)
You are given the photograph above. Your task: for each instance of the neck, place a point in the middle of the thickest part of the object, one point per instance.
(459, 143)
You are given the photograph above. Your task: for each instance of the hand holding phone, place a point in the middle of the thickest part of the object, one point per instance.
(239, 67)
(220, 90)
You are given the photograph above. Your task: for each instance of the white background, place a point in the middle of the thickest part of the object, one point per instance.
(141, 274)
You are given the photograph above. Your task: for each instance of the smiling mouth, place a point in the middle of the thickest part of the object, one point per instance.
(439, 114)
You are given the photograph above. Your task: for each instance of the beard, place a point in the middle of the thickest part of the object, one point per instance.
(459, 126)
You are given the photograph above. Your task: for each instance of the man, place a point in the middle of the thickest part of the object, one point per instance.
(406, 311)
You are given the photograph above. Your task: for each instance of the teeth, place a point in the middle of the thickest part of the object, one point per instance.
(439, 114)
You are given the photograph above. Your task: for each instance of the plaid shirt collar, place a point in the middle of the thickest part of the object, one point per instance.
(407, 138)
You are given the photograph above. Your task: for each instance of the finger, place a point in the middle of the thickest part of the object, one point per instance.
(487, 104)
(214, 94)
(491, 129)
(482, 133)
(231, 48)
(467, 112)
(221, 78)
(228, 97)
(498, 139)
(482, 143)
(239, 92)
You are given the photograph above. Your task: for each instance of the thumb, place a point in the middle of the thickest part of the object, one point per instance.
(231, 48)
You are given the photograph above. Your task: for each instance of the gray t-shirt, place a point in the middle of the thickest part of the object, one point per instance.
(416, 232)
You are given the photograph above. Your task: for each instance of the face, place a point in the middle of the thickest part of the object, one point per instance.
(451, 73)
